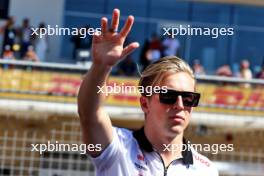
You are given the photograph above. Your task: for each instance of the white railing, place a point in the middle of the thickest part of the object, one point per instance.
(87, 65)
(49, 65)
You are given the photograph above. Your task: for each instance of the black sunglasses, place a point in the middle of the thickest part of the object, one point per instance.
(189, 99)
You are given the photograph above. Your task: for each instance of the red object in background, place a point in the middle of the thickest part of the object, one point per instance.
(238, 98)
(254, 99)
(229, 137)
(223, 97)
(71, 86)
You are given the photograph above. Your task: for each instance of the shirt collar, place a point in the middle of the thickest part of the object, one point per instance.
(144, 144)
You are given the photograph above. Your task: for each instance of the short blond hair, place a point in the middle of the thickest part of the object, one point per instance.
(155, 72)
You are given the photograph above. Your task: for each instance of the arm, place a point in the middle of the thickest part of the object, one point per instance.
(107, 50)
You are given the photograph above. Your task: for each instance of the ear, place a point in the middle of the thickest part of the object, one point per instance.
(144, 103)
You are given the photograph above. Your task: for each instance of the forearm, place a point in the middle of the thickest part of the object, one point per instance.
(89, 100)
(94, 120)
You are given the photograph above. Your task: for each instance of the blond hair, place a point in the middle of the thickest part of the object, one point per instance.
(155, 72)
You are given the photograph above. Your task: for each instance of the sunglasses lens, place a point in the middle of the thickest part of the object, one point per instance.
(189, 99)
(168, 98)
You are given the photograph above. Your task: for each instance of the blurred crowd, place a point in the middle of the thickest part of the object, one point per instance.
(241, 71)
(19, 43)
(152, 50)
(155, 48)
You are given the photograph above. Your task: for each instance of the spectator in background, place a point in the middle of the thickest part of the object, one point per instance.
(236, 70)
(155, 42)
(41, 44)
(170, 46)
(151, 51)
(10, 34)
(153, 55)
(143, 56)
(25, 37)
(80, 42)
(127, 67)
(260, 75)
(245, 71)
(198, 68)
(8, 53)
(31, 55)
(224, 70)
(155, 49)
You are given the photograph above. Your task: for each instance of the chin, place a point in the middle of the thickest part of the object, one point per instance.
(175, 130)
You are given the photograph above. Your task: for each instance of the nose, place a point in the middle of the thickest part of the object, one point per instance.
(178, 104)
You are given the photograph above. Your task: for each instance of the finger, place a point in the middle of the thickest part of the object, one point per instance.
(127, 27)
(104, 25)
(115, 19)
(96, 37)
(129, 49)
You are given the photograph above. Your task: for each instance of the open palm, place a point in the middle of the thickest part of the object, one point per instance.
(107, 47)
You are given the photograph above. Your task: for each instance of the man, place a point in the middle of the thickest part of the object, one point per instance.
(10, 34)
(25, 37)
(145, 152)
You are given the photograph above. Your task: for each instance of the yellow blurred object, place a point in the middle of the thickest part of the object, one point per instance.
(58, 86)
(16, 47)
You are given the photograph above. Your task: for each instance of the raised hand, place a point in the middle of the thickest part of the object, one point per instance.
(107, 47)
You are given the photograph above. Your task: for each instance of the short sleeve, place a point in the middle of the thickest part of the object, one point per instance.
(111, 152)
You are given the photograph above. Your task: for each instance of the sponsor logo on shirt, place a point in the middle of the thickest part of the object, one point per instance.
(203, 161)
(140, 167)
(140, 157)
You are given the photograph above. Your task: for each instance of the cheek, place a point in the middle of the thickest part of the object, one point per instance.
(157, 109)
(188, 112)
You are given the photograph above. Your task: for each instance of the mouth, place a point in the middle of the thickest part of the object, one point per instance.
(177, 118)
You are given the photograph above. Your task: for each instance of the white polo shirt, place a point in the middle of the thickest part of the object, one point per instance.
(131, 154)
